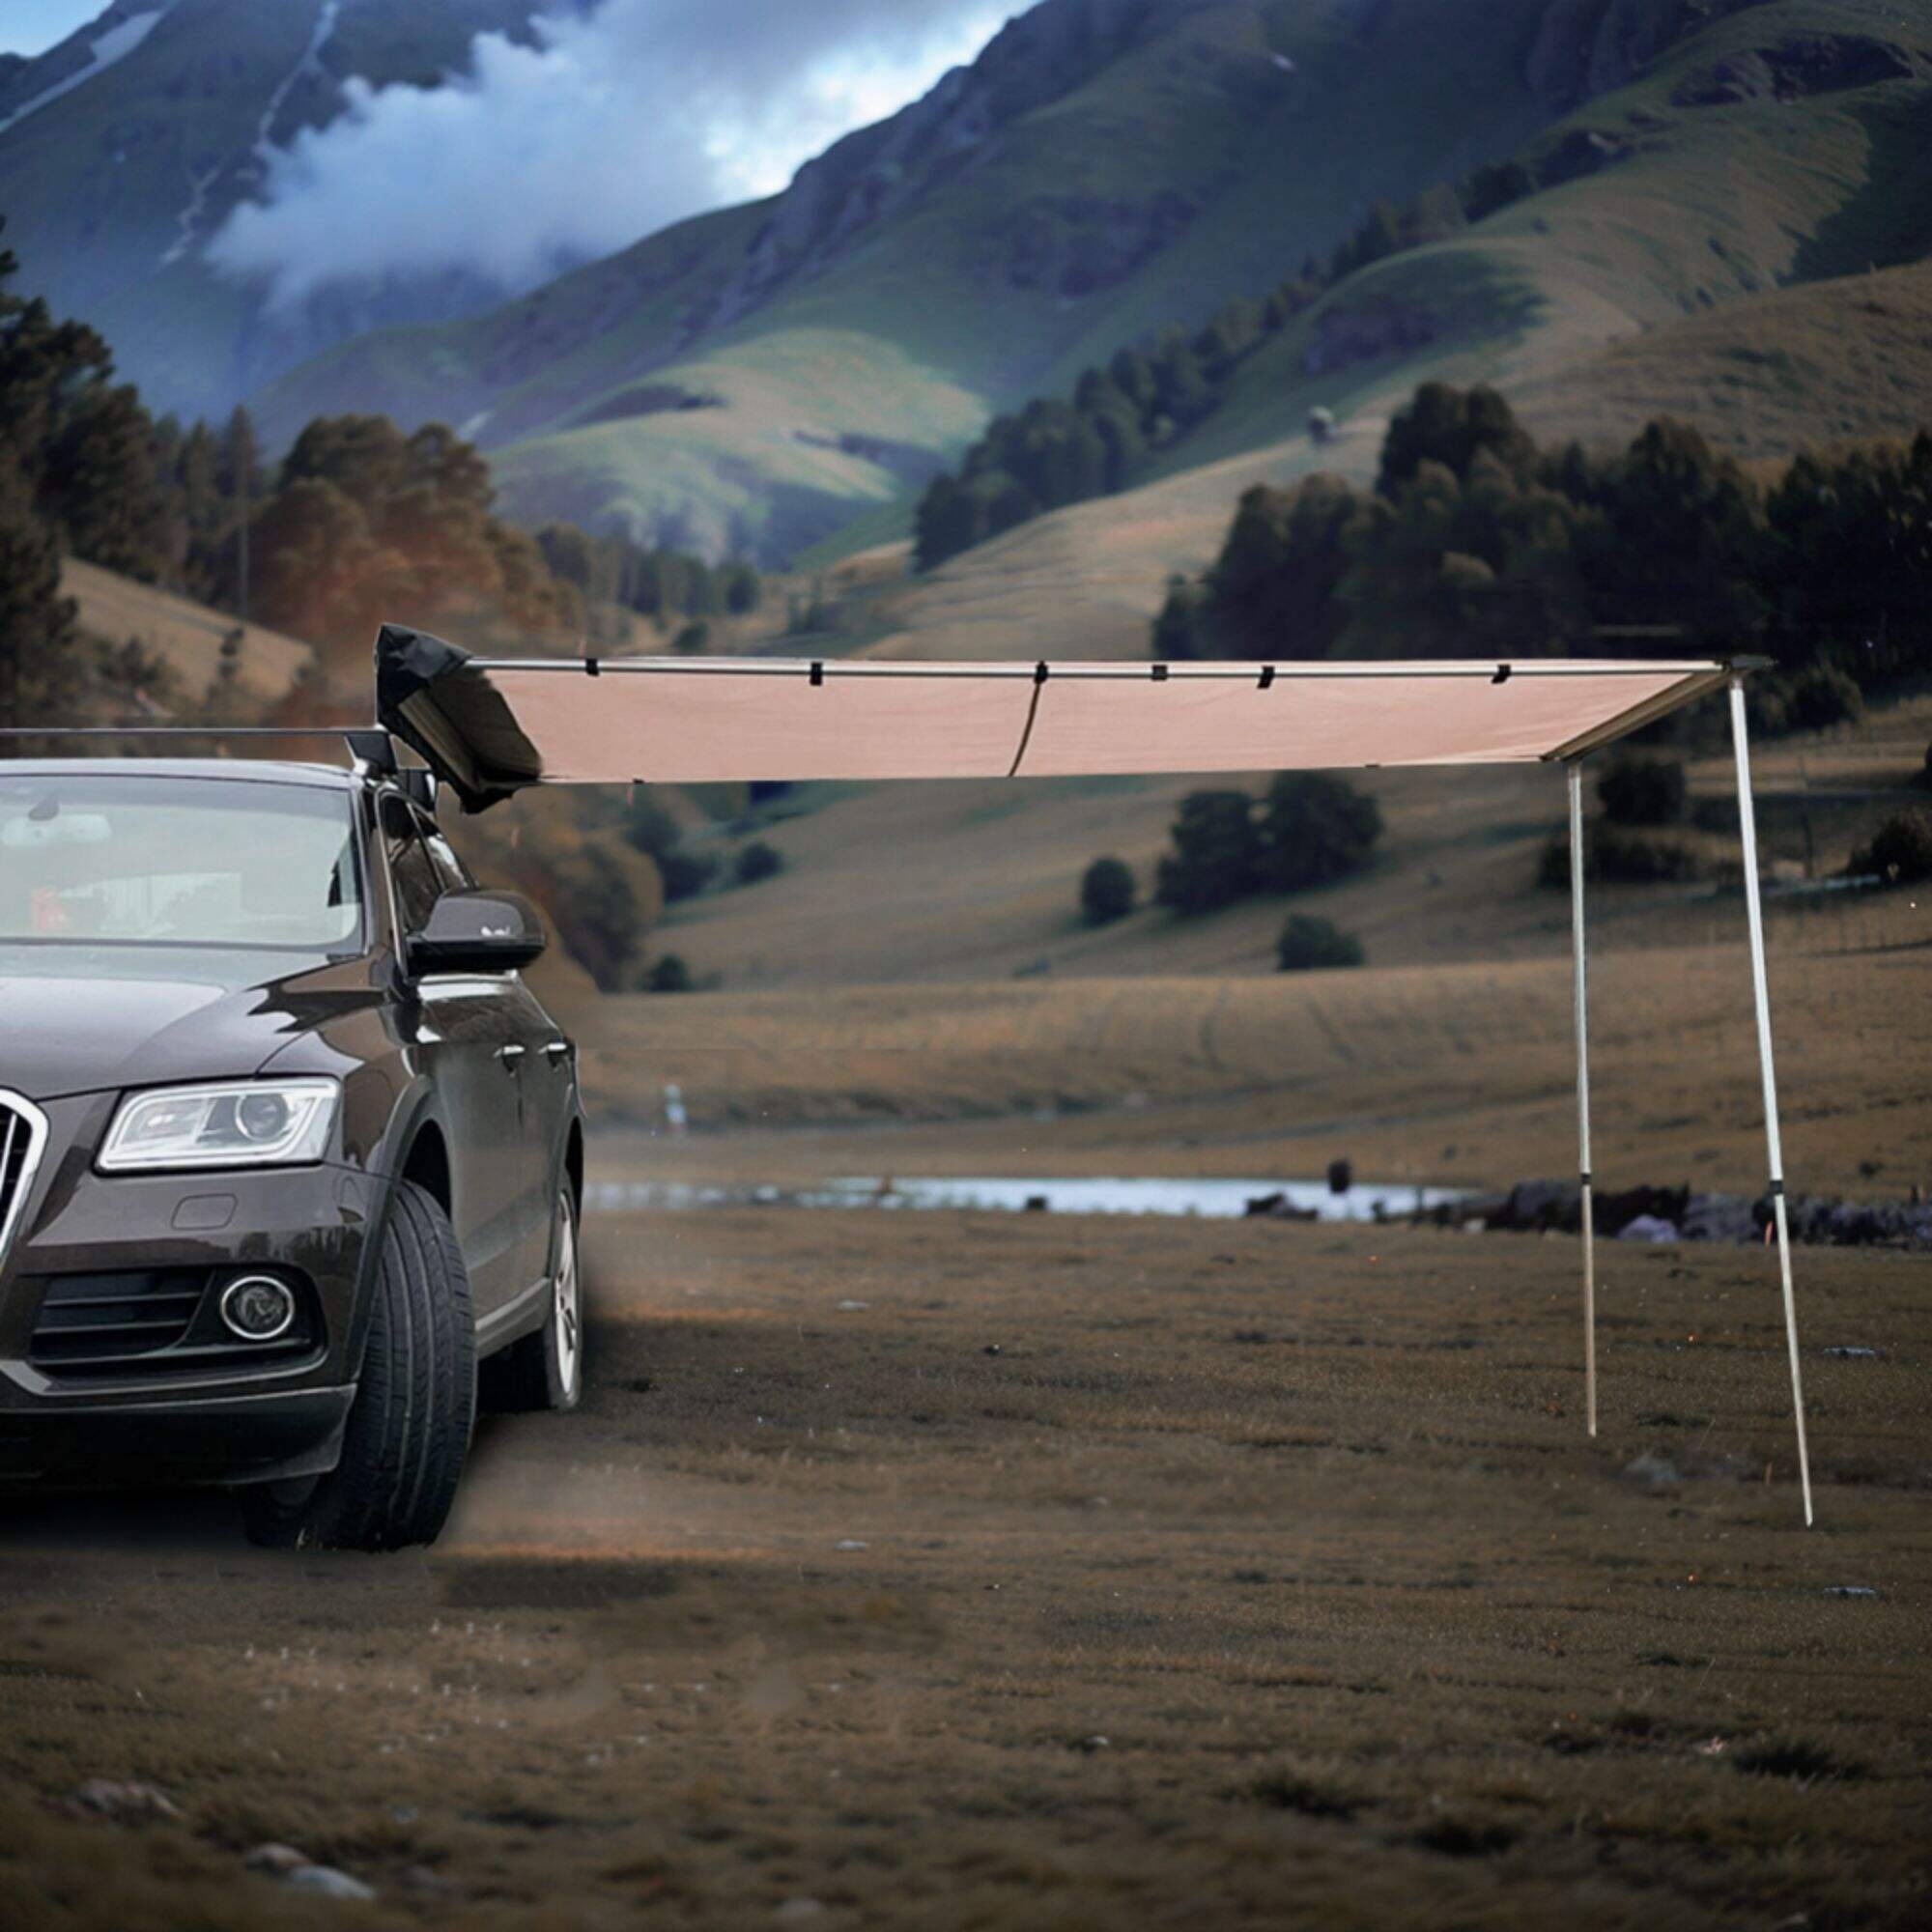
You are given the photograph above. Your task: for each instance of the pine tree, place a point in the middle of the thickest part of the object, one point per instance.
(40, 674)
(83, 445)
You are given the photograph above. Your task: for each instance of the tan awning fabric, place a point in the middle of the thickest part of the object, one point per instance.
(496, 726)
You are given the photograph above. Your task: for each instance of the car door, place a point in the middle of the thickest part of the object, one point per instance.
(545, 1073)
(459, 1025)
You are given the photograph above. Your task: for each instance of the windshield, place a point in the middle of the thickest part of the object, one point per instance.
(97, 860)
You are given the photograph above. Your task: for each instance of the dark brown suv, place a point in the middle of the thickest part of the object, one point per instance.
(287, 1147)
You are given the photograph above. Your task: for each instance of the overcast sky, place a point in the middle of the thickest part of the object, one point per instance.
(33, 26)
(613, 126)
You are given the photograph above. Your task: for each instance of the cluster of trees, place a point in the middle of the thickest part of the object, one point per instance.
(363, 522)
(208, 483)
(1643, 804)
(756, 863)
(565, 849)
(1107, 892)
(651, 827)
(1636, 789)
(359, 521)
(1629, 840)
(1474, 542)
(1309, 829)
(1057, 452)
(1616, 855)
(1640, 798)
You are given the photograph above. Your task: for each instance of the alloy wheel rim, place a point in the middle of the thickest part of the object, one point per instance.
(566, 1314)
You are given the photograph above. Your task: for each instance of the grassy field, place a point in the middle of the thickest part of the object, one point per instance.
(979, 1572)
(996, 1572)
(1827, 362)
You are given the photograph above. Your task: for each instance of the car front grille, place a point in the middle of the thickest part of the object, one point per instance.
(23, 1137)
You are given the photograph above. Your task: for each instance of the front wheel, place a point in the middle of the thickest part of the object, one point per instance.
(408, 1434)
(544, 1370)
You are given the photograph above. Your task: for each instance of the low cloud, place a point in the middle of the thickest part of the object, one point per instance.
(618, 121)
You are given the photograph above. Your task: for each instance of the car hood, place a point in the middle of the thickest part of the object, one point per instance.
(81, 1020)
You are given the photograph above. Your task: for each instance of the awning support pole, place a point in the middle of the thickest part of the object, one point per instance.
(1761, 988)
(1576, 772)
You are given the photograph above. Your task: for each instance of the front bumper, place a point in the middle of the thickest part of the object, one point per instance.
(182, 1414)
(245, 1439)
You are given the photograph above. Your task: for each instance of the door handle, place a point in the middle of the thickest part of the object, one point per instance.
(511, 1055)
(558, 1049)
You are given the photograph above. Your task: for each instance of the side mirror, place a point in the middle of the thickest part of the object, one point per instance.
(477, 933)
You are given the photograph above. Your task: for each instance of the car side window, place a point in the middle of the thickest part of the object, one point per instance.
(417, 887)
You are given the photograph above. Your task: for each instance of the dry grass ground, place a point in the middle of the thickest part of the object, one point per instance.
(187, 636)
(1461, 1074)
(970, 1572)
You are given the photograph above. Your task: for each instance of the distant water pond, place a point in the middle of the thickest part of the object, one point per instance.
(1213, 1200)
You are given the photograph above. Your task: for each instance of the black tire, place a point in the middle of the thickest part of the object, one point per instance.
(408, 1434)
(543, 1371)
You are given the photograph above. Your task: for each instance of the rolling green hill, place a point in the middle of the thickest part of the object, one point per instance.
(771, 378)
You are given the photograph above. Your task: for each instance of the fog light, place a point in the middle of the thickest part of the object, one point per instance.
(258, 1308)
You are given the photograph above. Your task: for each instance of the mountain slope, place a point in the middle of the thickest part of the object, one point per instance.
(1715, 264)
(126, 147)
(1107, 166)
(764, 377)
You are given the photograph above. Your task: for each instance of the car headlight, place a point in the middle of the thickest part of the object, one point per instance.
(246, 1124)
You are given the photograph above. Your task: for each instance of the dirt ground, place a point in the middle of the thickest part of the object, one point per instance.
(976, 1571)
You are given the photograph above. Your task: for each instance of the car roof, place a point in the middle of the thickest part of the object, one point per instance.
(255, 771)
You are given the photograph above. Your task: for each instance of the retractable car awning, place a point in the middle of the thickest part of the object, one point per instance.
(491, 728)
